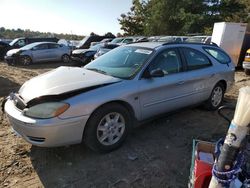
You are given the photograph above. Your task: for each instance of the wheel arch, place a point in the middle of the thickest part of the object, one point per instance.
(224, 83)
(120, 102)
(27, 55)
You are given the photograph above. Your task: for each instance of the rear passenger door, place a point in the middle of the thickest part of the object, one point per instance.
(54, 51)
(199, 73)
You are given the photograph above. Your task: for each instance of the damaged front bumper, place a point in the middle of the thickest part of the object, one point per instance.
(45, 132)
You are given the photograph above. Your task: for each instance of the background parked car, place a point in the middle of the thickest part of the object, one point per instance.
(106, 40)
(246, 62)
(38, 52)
(21, 42)
(4, 46)
(172, 39)
(6, 40)
(86, 41)
(84, 56)
(200, 39)
(104, 49)
(127, 40)
(117, 40)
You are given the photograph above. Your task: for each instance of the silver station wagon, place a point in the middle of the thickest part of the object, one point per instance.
(100, 103)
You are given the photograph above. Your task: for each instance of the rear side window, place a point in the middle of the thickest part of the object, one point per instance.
(195, 59)
(51, 46)
(219, 55)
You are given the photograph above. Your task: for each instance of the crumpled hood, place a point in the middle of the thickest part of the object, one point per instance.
(13, 51)
(62, 80)
(80, 51)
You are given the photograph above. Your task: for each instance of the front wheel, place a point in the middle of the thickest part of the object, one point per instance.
(216, 97)
(107, 128)
(247, 71)
(65, 58)
(25, 60)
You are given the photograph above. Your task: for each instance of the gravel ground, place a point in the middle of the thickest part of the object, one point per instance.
(156, 154)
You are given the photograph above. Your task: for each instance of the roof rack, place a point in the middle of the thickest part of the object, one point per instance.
(199, 43)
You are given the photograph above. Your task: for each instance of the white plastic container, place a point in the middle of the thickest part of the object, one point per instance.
(230, 36)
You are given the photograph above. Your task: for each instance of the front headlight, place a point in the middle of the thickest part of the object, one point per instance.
(46, 110)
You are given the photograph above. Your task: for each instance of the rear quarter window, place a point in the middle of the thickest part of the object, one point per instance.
(219, 55)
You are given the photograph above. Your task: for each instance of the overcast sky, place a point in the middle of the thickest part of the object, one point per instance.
(64, 16)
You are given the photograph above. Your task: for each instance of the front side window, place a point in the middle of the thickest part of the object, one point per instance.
(51, 46)
(168, 61)
(218, 55)
(195, 59)
(122, 62)
(21, 43)
(40, 47)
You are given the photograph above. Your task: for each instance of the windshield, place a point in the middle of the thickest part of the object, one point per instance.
(29, 46)
(13, 42)
(83, 41)
(122, 62)
(116, 40)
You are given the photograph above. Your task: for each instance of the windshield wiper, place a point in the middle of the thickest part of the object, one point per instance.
(98, 70)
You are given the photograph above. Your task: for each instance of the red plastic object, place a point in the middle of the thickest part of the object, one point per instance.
(203, 174)
(203, 180)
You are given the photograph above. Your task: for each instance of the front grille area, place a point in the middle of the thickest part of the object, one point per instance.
(81, 56)
(18, 101)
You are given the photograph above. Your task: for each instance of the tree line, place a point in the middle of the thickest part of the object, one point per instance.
(16, 33)
(181, 17)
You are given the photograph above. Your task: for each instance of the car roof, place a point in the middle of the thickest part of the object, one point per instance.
(37, 43)
(154, 45)
(151, 45)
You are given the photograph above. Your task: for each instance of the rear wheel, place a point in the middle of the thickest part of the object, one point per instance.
(216, 97)
(107, 128)
(26, 60)
(247, 71)
(65, 58)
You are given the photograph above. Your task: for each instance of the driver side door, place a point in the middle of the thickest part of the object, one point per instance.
(163, 94)
(40, 52)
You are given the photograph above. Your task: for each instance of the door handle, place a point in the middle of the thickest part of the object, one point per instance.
(180, 82)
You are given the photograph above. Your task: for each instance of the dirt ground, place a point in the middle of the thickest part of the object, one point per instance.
(156, 154)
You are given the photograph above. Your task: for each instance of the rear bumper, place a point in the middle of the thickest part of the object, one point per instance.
(246, 65)
(45, 132)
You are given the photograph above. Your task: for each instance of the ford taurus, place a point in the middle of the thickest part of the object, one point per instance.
(99, 103)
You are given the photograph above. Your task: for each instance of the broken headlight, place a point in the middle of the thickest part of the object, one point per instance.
(46, 110)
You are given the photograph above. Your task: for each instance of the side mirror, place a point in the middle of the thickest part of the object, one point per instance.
(157, 73)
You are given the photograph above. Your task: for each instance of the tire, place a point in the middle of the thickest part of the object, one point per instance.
(103, 132)
(25, 60)
(247, 71)
(216, 98)
(65, 58)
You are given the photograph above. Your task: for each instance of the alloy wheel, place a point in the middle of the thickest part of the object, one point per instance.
(111, 128)
(217, 96)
